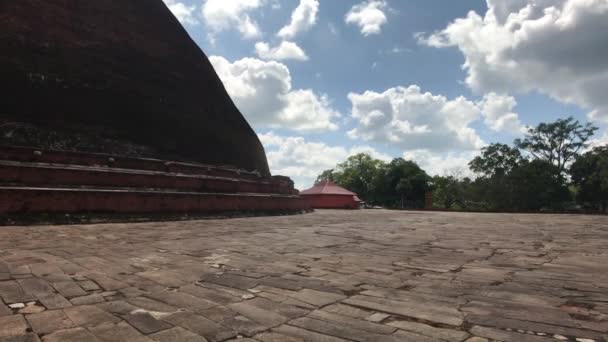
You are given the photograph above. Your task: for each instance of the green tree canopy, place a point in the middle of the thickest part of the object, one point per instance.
(590, 175)
(557, 142)
(496, 160)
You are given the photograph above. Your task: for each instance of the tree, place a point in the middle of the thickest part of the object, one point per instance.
(448, 192)
(358, 174)
(403, 181)
(589, 174)
(496, 160)
(557, 142)
(327, 175)
(536, 185)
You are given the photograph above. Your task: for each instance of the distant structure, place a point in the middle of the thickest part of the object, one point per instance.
(109, 106)
(328, 195)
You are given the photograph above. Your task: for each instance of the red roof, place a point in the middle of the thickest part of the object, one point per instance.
(327, 188)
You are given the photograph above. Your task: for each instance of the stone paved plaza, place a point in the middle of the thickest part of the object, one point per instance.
(328, 276)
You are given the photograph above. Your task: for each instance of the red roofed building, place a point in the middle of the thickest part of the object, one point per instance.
(328, 195)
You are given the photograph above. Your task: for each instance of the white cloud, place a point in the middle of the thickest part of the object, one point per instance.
(411, 119)
(597, 142)
(262, 90)
(303, 160)
(498, 113)
(302, 19)
(556, 47)
(368, 15)
(183, 12)
(443, 164)
(222, 15)
(286, 50)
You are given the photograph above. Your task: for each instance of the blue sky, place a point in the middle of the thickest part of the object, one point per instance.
(428, 80)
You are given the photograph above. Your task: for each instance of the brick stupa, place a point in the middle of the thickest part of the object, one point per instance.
(110, 106)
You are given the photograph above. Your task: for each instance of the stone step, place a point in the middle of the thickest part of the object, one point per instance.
(53, 175)
(29, 154)
(24, 200)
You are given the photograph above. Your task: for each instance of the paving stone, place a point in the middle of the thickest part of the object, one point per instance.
(243, 325)
(88, 300)
(145, 323)
(306, 335)
(89, 285)
(89, 315)
(121, 332)
(282, 309)
(215, 296)
(131, 292)
(229, 280)
(119, 307)
(37, 287)
(507, 336)
(281, 283)
(377, 317)
(69, 289)
(262, 316)
(152, 305)
(218, 313)
(71, 335)
(13, 326)
(200, 326)
(177, 334)
(54, 301)
(443, 315)
(275, 337)
(541, 276)
(352, 322)
(347, 310)
(11, 292)
(427, 330)
(182, 300)
(341, 331)
(107, 283)
(317, 298)
(49, 321)
(4, 310)
(29, 337)
(548, 329)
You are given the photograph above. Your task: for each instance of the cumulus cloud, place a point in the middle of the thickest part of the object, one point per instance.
(556, 47)
(498, 113)
(411, 119)
(183, 12)
(222, 15)
(443, 164)
(263, 92)
(302, 19)
(304, 160)
(285, 50)
(368, 15)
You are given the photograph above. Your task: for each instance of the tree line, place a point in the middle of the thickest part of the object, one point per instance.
(550, 168)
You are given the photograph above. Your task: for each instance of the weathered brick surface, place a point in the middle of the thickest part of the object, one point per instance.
(329, 276)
